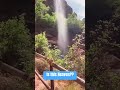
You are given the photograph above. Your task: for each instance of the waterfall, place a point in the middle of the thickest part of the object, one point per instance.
(61, 25)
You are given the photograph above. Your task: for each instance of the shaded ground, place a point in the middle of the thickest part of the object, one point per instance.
(10, 82)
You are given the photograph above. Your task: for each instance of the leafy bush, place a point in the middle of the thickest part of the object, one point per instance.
(74, 60)
(49, 19)
(42, 15)
(40, 8)
(104, 42)
(41, 40)
(74, 22)
(16, 43)
(41, 43)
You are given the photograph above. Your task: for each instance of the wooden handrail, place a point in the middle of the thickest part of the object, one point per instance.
(59, 67)
(13, 71)
(16, 72)
(41, 56)
(52, 81)
(79, 80)
(42, 80)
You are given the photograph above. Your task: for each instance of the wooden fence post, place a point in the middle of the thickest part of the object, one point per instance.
(52, 81)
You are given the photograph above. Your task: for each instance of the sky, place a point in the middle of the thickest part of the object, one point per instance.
(78, 7)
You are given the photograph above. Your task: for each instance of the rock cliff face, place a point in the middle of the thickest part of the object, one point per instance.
(50, 3)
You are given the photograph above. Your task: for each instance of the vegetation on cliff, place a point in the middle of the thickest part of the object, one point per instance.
(46, 19)
(16, 43)
(102, 45)
(73, 60)
(42, 15)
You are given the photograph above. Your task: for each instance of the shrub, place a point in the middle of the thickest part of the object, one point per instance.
(16, 43)
(42, 44)
(74, 59)
(42, 15)
(104, 42)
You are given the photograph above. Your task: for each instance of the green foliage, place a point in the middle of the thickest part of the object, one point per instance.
(41, 40)
(74, 60)
(16, 43)
(40, 8)
(50, 19)
(74, 22)
(117, 7)
(104, 42)
(105, 35)
(116, 13)
(42, 15)
(41, 43)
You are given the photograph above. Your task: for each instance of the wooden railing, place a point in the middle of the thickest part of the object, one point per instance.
(42, 80)
(25, 76)
(16, 72)
(53, 65)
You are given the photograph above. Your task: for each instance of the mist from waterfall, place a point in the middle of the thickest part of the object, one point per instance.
(61, 25)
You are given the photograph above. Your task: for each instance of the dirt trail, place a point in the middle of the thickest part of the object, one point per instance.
(59, 85)
(39, 85)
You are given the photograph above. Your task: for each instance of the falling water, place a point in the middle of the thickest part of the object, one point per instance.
(62, 25)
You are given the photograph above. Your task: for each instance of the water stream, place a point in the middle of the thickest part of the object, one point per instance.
(61, 25)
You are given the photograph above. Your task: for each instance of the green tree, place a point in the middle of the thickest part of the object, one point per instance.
(16, 44)
(41, 42)
(40, 9)
(74, 60)
(42, 16)
(104, 42)
(43, 47)
(74, 22)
